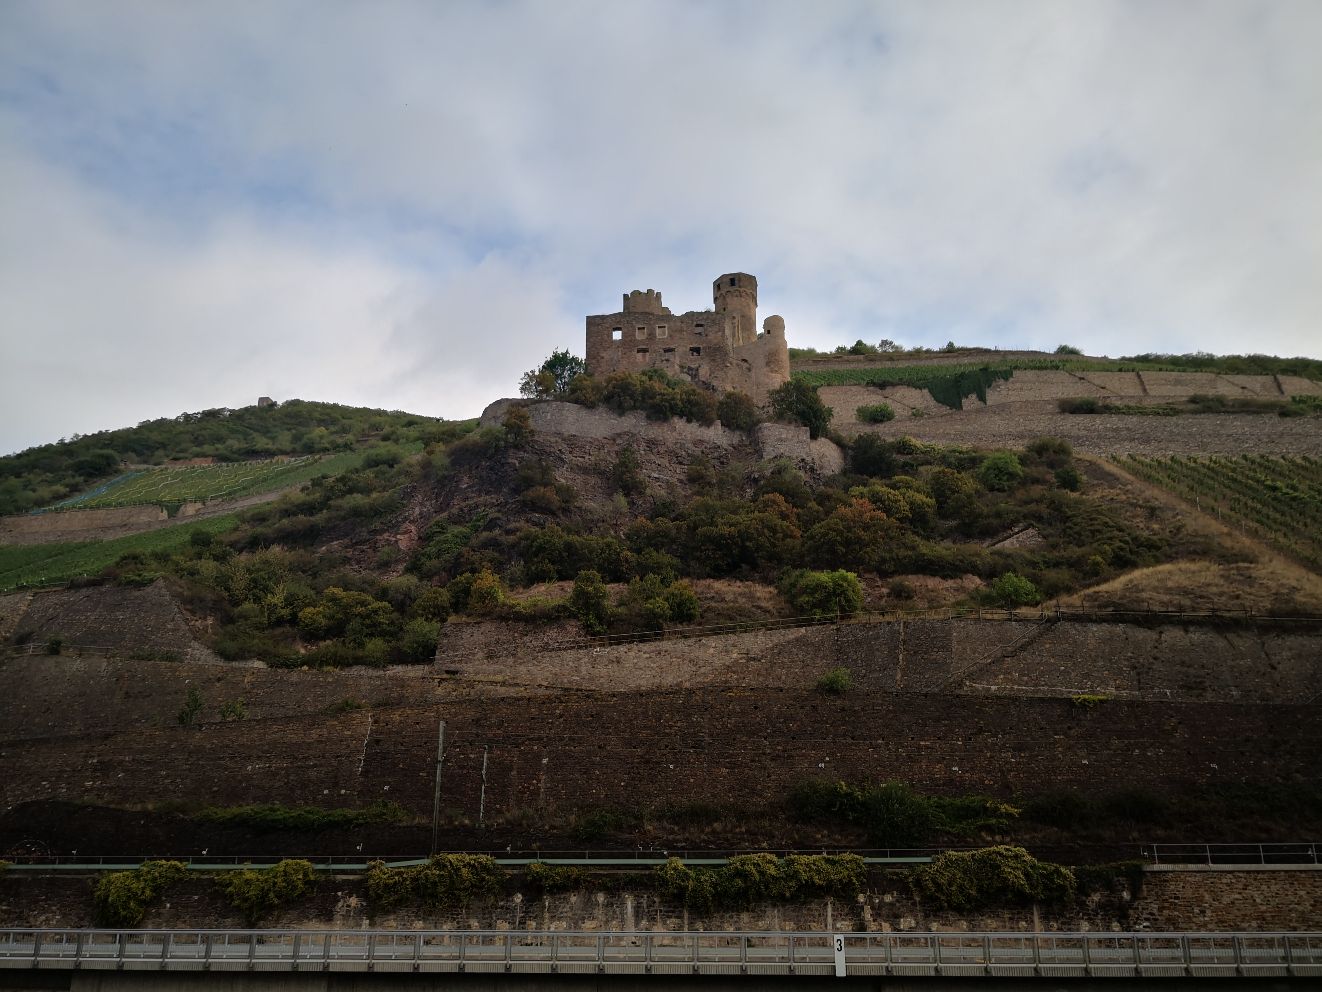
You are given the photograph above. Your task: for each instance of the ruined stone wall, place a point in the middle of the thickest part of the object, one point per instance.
(698, 346)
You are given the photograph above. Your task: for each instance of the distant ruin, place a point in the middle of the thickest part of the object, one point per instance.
(719, 348)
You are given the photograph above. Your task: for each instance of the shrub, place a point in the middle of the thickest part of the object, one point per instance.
(445, 880)
(970, 880)
(1000, 471)
(1012, 589)
(121, 898)
(188, 713)
(486, 594)
(1067, 477)
(626, 475)
(556, 878)
(417, 643)
(259, 892)
(901, 589)
(872, 455)
(590, 602)
(233, 711)
(834, 682)
(799, 402)
(753, 878)
(736, 411)
(822, 594)
(1083, 404)
(875, 413)
(432, 604)
(1067, 349)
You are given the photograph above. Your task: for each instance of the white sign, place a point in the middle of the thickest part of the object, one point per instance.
(838, 943)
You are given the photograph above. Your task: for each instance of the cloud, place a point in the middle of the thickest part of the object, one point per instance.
(408, 203)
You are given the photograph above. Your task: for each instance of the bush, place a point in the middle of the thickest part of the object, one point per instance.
(590, 602)
(736, 411)
(554, 376)
(121, 898)
(797, 401)
(1067, 349)
(1084, 404)
(1068, 478)
(1012, 589)
(822, 594)
(872, 456)
(1000, 471)
(273, 817)
(257, 893)
(417, 643)
(626, 475)
(754, 878)
(556, 878)
(54, 645)
(964, 881)
(445, 880)
(486, 594)
(876, 413)
(188, 713)
(835, 682)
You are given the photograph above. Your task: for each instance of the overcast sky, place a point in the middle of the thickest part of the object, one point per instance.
(406, 205)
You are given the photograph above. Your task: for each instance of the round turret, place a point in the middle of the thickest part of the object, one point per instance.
(735, 293)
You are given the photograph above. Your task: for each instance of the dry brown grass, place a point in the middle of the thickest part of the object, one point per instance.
(1205, 586)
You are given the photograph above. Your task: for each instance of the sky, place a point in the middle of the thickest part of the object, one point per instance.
(407, 205)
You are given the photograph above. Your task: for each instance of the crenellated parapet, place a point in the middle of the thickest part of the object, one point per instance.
(643, 301)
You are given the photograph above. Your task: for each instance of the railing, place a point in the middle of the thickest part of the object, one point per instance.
(1047, 955)
(1301, 853)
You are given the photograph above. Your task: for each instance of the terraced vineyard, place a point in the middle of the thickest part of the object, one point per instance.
(1277, 498)
(39, 565)
(172, 486)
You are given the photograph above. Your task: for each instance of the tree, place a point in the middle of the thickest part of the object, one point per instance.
(553, 376)
(736, 411)
(798, 401)
(823, 594)
(590, 601)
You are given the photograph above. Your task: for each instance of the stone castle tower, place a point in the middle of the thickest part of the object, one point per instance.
(720, 348)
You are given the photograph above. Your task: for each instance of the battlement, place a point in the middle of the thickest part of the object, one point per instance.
(643, 301)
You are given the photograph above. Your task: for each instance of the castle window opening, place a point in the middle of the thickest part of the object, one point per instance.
(660, 330)
(642, 351)
(699, 329)
(617, 333)
(734, 281)
(641, 333)
(667, 351)
(695, 352)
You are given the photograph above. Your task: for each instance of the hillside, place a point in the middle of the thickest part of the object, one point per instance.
(649, 620)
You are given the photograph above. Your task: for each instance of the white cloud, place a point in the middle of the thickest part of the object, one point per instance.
(440, 191)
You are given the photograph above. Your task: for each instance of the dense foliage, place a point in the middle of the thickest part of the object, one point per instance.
(894, 815)
(45, 474)
(994, 876)
(121, 898)
(259, 892)
(445, 880)
(755, 878)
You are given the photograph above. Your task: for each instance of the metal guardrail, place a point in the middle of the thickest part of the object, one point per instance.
(973, 955)
(1303, 853)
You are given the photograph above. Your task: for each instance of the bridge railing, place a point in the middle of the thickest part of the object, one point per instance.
(1049, 955)
(1300, 853)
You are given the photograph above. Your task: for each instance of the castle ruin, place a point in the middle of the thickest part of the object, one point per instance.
(719, 348)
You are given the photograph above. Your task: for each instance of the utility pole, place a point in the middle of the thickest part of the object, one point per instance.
(482, 800)
(436, 796)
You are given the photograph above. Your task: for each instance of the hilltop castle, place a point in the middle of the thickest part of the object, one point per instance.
(718, 348)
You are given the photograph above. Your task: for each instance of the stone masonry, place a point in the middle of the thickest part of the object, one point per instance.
(720, 349)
